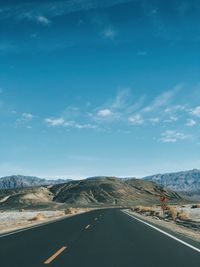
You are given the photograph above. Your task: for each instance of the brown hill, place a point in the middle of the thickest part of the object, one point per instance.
(97, 191)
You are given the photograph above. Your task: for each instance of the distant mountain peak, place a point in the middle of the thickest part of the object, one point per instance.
(22, 181)
(179, 181)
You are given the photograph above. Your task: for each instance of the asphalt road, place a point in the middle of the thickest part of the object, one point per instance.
(101, 238)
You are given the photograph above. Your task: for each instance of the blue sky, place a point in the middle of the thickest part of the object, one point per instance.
(102, 87)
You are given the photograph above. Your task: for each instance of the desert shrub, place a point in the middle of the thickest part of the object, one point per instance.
(183, 216)
(132, 208)
(195, 206)
(71, 211)
(21, 210)
(38, 217)
(61, 213)
(172, 211)
(144, 209)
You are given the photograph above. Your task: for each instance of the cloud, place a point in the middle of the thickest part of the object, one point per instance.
(53, 8)
(27, 116)
(116, 108)
(196, 111)
(122, 98)
(40, 19)
(109, 34)
(24, 119)
(175, 108)
(172, 119)
(171, 136)
(76, 125)
(126, 109)
(163, 99)
(105, 113)
(43, 20)
(136, 119)
(54, 121)
(154, 120)
(191, 122)
(70, 124)
(1, 90)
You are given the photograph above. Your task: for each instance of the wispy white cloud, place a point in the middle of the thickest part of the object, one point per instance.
(43, 20)
(53, 8)
(171, 119)
(163, 99)
(24, 119)
(136, 119)
(104, 113)
(122, 98)
(40, 19)
(27, 116)
(175, 108)
(74, 124)
(127, 110)
(109, 33)
(54, 121)
(196, 111)
(115, 109)
(171, 136)
(159, 105)
(190, 122)
(154, 120)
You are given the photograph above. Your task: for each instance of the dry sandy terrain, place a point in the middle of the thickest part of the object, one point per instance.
(14, 220)
(183, 226)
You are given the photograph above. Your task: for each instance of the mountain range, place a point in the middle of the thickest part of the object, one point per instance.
(104, 191)
(20, 181)
(183, 181)
(18, 190)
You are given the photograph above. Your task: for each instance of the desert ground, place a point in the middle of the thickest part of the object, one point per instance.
(15, 220)
(182, 219)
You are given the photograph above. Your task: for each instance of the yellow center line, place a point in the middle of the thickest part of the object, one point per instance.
(87, 226)
(49, 260)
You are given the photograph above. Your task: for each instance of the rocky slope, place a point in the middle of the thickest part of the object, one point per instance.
(89, 192)
(20, 181)
(185, 181)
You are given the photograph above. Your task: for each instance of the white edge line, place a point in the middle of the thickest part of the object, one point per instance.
(163, 232)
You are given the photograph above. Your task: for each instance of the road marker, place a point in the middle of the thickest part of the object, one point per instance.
(163, 232)
(87, 226)
(55, 255)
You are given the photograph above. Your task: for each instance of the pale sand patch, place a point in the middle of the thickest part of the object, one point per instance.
(15, 220)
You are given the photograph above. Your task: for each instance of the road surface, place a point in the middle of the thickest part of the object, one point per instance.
(101, 238)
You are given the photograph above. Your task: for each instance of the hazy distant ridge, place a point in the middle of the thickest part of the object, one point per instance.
(20, 181)
(185, 181)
